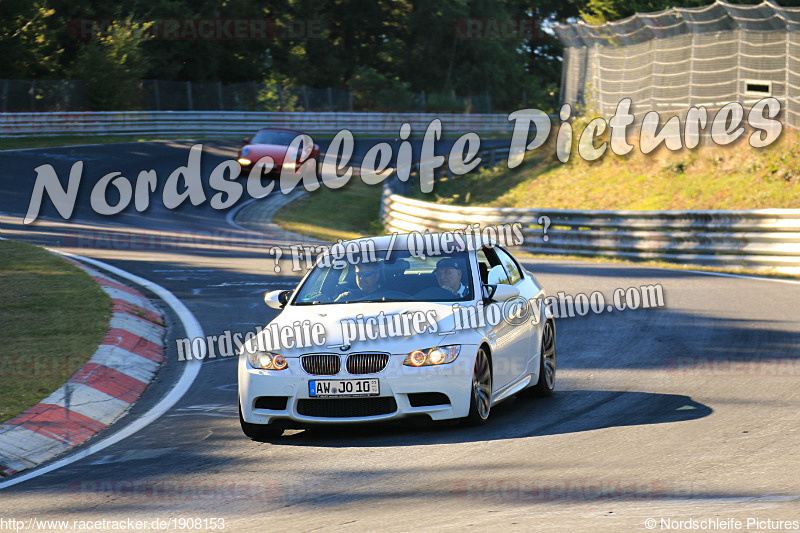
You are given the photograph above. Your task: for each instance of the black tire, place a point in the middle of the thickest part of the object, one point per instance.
(547, 363)
(259, 432)
(480, 399)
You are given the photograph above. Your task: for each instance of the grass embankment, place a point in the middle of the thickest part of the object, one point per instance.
(53, 317)
(733, 177)
(349, 212)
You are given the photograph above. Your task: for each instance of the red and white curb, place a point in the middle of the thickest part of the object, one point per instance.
(100, 392)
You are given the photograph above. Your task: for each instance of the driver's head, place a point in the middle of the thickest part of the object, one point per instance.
(368, 277)
(448, 274)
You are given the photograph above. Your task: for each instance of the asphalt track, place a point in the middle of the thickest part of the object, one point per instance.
(691, 411)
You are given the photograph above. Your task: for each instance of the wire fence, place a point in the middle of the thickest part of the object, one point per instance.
(682, 57)
(161, 95)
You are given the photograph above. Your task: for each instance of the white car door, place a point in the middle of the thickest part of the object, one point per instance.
(524, 313)
(510, 343)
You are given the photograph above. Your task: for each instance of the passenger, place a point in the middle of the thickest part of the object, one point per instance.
(449, 273)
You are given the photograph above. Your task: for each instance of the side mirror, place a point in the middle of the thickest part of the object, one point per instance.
(246, 140)
(277, 299)
(497, 274)
(501, 292)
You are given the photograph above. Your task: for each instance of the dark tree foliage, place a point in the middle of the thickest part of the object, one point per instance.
(388, 52)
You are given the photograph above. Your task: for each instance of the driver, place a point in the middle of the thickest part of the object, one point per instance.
(448, 275)
(368, 279)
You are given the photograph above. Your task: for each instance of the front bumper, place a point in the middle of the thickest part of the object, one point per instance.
(398, 382)
(275, 173)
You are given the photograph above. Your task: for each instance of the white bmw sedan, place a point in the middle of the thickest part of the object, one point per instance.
(394, 331)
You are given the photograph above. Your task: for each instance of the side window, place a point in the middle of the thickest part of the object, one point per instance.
(488, 258)
(484, 265)
(514, 274)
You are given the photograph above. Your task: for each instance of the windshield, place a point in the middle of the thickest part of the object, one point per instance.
(282, 138)
(401, 278)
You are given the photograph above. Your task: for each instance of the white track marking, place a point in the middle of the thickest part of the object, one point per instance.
(190, 371)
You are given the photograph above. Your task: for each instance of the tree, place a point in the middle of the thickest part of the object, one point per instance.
(112, 67)
(30, 48)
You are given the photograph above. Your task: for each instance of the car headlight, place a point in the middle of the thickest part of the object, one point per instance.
(243, 161)
(245, 151)
(267, 360)
(441, 355)
(296, 160)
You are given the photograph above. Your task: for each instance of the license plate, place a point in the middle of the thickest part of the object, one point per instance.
(343, 387)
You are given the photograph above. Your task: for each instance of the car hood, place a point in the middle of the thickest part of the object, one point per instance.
(276, 151)
(333, 316)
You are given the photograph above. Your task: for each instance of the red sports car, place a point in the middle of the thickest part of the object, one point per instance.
(275, 144)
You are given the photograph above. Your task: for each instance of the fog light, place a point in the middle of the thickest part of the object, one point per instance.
(244, 161)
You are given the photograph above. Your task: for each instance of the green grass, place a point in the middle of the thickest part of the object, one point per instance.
(349, 212)
(734, 177)
(53, 317)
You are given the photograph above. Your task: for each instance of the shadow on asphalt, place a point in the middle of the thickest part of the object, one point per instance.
(566, 412)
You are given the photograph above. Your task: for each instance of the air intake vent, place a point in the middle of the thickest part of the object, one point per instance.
(424, 399)
(321, 364)
(276, 403)
(366, 363)
(347, 407)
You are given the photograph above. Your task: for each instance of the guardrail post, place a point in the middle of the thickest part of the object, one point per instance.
(5, 96)
(158, 96)
(219, 94)
(491, 157)
(33, 95)
(330, 98)
(189, 95)
(305, 99)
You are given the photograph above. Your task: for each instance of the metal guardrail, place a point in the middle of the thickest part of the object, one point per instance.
(762, 239)
(236, 123)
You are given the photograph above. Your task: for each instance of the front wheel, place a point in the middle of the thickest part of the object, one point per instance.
(480, 402)
(547, 362)
(259, 432)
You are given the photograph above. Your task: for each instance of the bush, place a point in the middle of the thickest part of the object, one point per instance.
(373, 91)
(112, 67)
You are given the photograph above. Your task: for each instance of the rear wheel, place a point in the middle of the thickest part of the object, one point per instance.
(260, 432)
(480, 402)
(547, 362)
